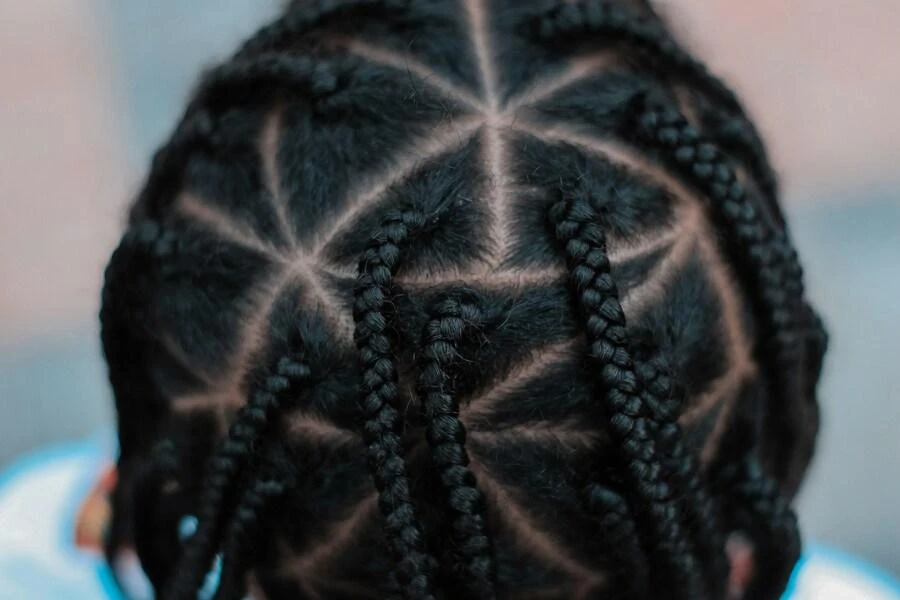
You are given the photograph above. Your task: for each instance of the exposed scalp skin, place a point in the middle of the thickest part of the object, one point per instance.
(460, 299)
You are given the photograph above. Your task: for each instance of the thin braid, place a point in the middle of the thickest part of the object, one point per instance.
(664, 399)
(584, 243)
(378, 399)
(451, 319)
(617, 526)
(244, 529)
(758, 508)
(569, 20)
(244, 434)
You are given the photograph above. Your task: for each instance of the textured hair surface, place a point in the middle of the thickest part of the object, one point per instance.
(486, 299)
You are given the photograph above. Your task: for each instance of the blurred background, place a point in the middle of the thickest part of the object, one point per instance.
(91, 87)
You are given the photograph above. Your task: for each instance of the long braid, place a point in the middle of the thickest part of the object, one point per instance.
(769, 262)
(451, 319)
(617, 526)
(378, 402)
(569, 20)
(255, 504)
(319, 78)
(773, 260)
(664, 127)
(584, 243)
(244, 434)
(664, 398)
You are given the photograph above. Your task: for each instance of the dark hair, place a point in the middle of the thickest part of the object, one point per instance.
(396, 243)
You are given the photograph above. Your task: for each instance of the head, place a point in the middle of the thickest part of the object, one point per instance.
(460, 299)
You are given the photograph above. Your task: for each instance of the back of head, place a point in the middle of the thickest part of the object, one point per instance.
(460, 299)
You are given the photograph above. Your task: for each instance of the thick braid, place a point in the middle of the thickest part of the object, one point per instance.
(584, 243)
(739, 137)
(303, 17)
(569, 20)
(768, 260)
(451, 319)
(664, 399)
(758, 508)
(250, 512)
(244, 434)
(620, 534)
(378, 402)
(662, 126)
(572, 19)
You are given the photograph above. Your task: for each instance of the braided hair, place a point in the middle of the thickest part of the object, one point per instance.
(477, 299)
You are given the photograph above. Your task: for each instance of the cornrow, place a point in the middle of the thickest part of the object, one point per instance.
(384, 446)
(244, 433)
(451, 319)
(584, 243)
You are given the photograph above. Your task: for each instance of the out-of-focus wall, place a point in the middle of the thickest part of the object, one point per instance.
(62, 174)
(821, 76)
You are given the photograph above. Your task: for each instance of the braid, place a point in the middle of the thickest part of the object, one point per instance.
(618, 529)
(585, 246)
(770, 256)
(569, 20)
(738, 136)
(704, 165)
(377, 267)
(769, 261)
(244, 434)
(245, 527)
(758, 508)
(664, 399)
(451, 318)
